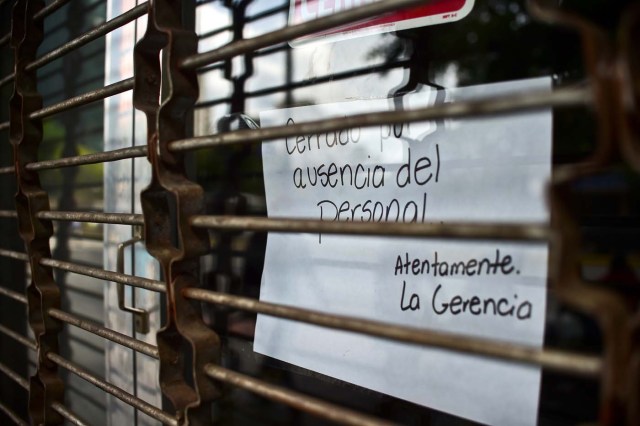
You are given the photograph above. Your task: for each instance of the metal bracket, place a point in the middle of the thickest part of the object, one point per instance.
(140, 315)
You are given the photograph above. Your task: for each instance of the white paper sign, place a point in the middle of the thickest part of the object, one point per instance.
(491, 169)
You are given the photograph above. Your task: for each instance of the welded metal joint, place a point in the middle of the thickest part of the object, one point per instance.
(25, 132)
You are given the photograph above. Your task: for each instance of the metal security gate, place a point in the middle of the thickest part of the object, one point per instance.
(198, 236)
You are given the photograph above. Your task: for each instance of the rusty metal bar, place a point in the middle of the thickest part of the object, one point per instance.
(91, 35)
(12, 415)
(292, 32)
(550, 359)
(21, 381)
(90, 271)
(50, 8)
(302, 402)
(578, 364)
(8, 213)
(253, 18)
(119, 393)
(535, 232)
(114, 336)
(85, 38)
(6, 80)
(306, 83)
(79, 160)
(45, 386)
(68, 414)
(47, 10)
(93, 217)
(31, 344)
(86, 98)
(7, 170)
(14, 255)
(185, 343)
(5, 39)
(60, 408)
(13, 295)
(507, 104)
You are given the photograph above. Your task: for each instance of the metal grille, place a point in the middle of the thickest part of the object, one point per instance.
(176, 229)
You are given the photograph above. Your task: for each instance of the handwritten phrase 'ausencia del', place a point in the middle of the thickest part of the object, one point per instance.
(421, 170)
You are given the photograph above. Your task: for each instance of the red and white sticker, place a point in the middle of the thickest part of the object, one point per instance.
(436, 12)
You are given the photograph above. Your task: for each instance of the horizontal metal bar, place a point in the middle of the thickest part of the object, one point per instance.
(297, 400)
(7, 170)
(85, 38)
(68, 414)
(21, 381)
(271, 50)
(292, 32)
(14, 255)
(61, 409)
(505, 231)
(86, 98)
(79, 160)
(219, 66)
(77, 186)
(567, 362)
(119, 393)
(90, 271)
(89, 36)
(6, 80)
(5, 39)
(44, 12)
(248, 19)
(352, 73)
(106, 333)
(12, 415)
(449, 230)
(93, 217)
(215, 32)
(311, 82)
(505, 104)
(284, 7)
(31, 344)
(19, 297)
(50, 8)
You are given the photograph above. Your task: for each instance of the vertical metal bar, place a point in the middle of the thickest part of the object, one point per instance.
(602, 59)
(185, 344)
(13, 274)
(25, 132)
